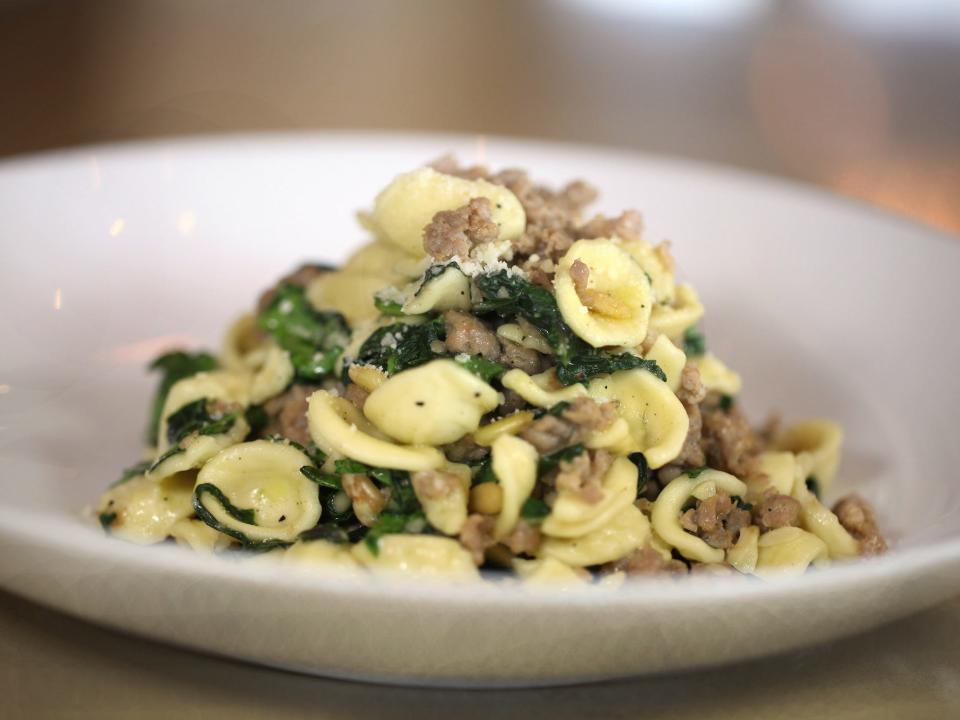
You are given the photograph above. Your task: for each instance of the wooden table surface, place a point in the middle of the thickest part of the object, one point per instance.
(856, 97)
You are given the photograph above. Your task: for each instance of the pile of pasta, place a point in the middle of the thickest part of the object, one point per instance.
(337, 427)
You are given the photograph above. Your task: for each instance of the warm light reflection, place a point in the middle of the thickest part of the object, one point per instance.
(146, 350)
(116, 227)
(58, 299)
(4, 389)
(186, 222)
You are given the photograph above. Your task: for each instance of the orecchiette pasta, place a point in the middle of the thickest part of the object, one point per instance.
(657, 264)
(449, 290)
(670, 358)
(715, 375)
(272, 377)
(535, 389)
(789, 551)
(433, 404)
(668, 507)
(409, 203)
(515, 465)
(421, 555)
(603, 294)
(816, 443)
(548, 571)
(144, 511)
(685, 312)
(626, 531)
(572, 516)
(743, 555)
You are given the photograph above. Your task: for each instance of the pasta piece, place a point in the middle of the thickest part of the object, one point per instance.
(774, 469)
(743, 555)
(255, 492)
(789, 551)
(339, 430)
(418, 555)
(144, 511)
(386, 261)
(670, 358)
(669, 504)
(449, 290)
(432, 404)
(515, 465)
(509, 425)
(447, 512)
(548, 571)
(197, 535)
(657, 420)
(536, 389)
(572, 517)
(673, 320)
(367, 376)
(614, 309)
(816, 518)
(407, 205)
(347, 293)
(715, 375)
(232, 387)
(530, 339)
(657, 264)
(627, 530)
(816, 443)
(273, 377)
(196, 450)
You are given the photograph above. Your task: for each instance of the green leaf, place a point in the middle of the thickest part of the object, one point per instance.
(741, 503)
(391, 523)
(643, 470)
(326, 531)
(244, 515)
(813, 485)
(508, 296)
(694, 473)
(485, 472)
(256, 418)
(346, 465)
(314, 339)
(321, 478)
(534, 511)
(387, 307)
(174, 366)
(194, 417)
(486, 370)
(694, 342)
(727, 402)
(106, 519)
(400, 346)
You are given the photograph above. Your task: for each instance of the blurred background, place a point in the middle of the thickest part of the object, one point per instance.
(858, 96)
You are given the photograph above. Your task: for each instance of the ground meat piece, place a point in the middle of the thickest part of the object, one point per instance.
(434, 484)
(645, 561)
(691, 454)
(465, 450)
(514, 355)
(626, 226)
(717, 520)
(366, 497)
(550, 433)
(467, 334)
(287, 414)
(356, 395)
(691, 390)
(856, 515)
(476, 535)
(447, 164)
(524, 539)
(729, 442)
(511, 403)
(583, 475)
(776, 511)
(300, 277)
(453, 233)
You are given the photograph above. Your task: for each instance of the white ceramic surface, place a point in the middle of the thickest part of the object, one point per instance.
(111, 254)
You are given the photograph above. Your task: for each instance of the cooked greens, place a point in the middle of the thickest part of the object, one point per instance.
(174, 366)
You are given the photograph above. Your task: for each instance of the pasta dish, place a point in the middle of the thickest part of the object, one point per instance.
(495, 381)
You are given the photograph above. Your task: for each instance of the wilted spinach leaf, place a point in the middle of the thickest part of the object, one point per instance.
(174, 366)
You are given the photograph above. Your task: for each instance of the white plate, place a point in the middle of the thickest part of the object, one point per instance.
(111, 254)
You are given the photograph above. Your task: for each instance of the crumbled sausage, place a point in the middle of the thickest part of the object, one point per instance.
(476, 535)
(356, 395)
(583, 475)
(550, 433)
(691, 390)
(645, 561)
(691, 454)
(717, 520)
(287, 414)
(434, 484)
(366, 497)
(453, 233)
(467, 334)
(776, 511)
(729, 442)
(526, 359)
(524, 539)
(626, 226)
(300, 277)
(856, 515)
